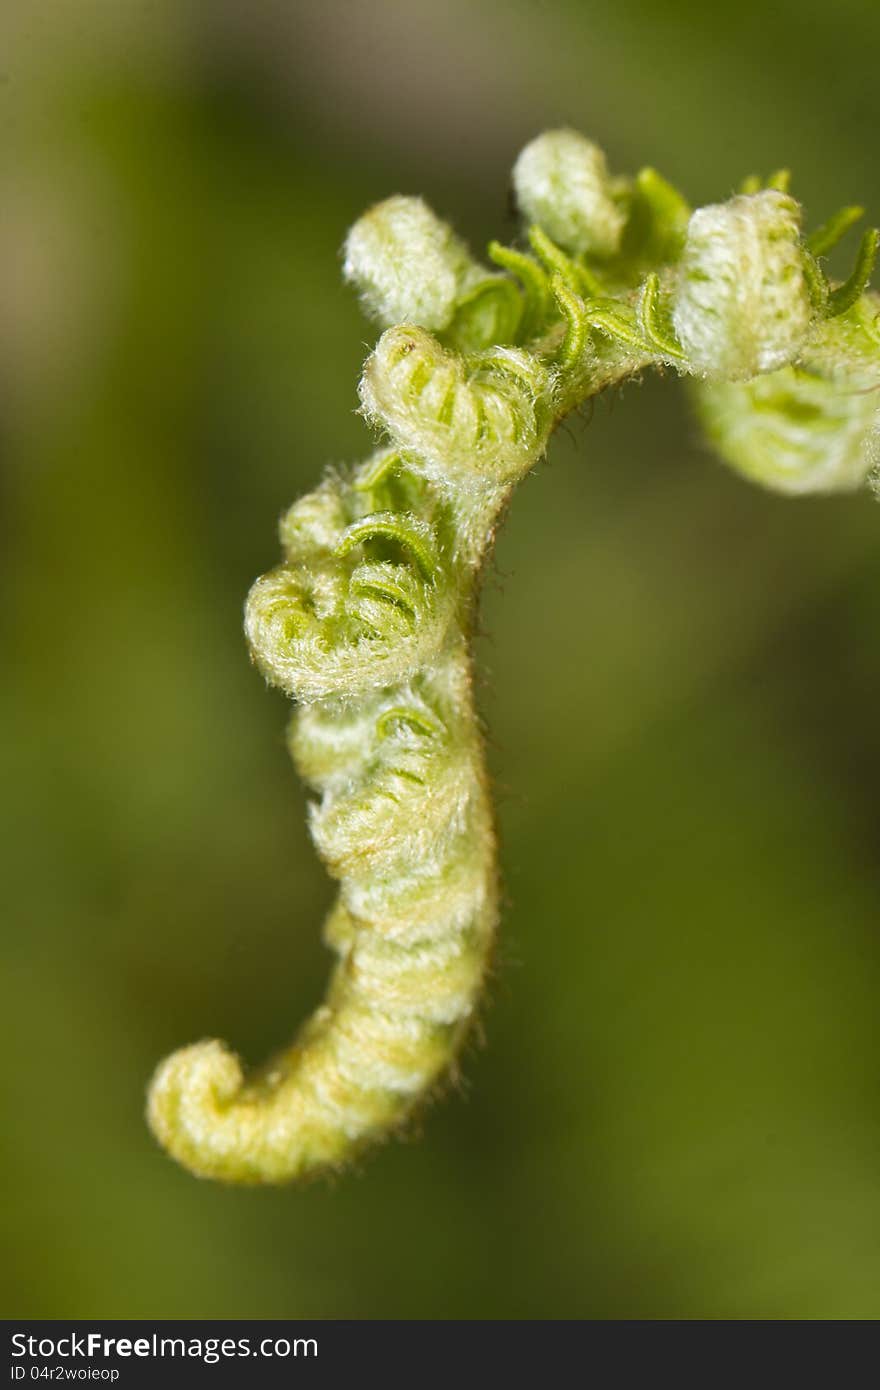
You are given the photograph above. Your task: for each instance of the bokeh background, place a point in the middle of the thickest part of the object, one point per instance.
(676, 1112)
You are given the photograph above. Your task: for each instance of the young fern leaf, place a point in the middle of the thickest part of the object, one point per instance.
(366, 623)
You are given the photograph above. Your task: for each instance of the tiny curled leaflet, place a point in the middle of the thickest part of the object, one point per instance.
(366, 620)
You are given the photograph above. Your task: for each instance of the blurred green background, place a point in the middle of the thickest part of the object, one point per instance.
(677, 1111)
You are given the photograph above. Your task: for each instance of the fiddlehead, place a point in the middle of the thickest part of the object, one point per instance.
(366, 622)
(813, 426)
(743, 305)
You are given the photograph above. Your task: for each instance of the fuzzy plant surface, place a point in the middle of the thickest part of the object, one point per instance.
(366, 622)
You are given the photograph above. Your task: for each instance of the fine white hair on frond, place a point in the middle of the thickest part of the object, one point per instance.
(562, 185)
(407, 265)
(743, 303)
